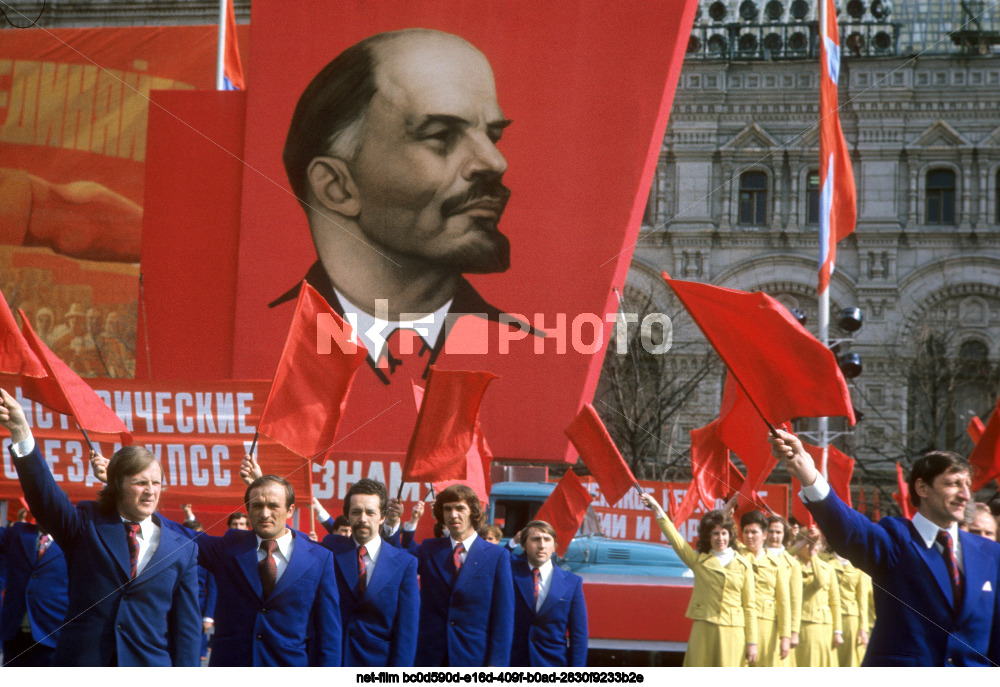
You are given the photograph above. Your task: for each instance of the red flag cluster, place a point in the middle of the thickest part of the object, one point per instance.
(48, 380)
(902, 495)
(309, 389)
(985, 457)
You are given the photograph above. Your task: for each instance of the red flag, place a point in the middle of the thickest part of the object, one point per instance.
(862, 500)
(839, 469)
(446, 425)
(902, 495)
(600, 455)
(30, 518)
(565, 509)
(232, 64)
(781, 366)
(742, 430)
(876, 513)
(310, 386)
(975, 429)
(16, 357)
(837, 196)
(63, 391)
(985, 457)
(477, 460)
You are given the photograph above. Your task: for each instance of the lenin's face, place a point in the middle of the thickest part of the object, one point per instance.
(428, 169)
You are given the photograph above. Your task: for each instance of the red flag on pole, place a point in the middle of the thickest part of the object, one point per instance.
(446, 425)
(63, 391)
(799, 510)
(314, 374)
(478, 459)
(902, 495)
(837, 196)
(783, 369)
(975, 429)
(16, 357)
(839, 468)
(985, 457)
(600, 455)
(233, 66)
(565, 509)
(876, 513)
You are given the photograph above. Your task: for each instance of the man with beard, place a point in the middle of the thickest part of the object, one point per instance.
(379, 597)
(392, 153)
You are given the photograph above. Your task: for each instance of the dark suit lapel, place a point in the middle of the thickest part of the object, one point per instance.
(348, 562)
(29, 540)
(385, 569)
(525, 584)
(474, 558)
(246, 558)
(976, 565)
(557, 587)
(111, 532)
(934, 562)
(299, 563)
(441, 560)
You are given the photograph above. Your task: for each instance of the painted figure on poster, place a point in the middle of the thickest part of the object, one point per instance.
(392, 153)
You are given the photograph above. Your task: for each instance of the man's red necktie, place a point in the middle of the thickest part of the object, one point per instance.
(457, 556)
(362, 570)
(536, 575)
(268, 568)
(132, 531)
(951, 562)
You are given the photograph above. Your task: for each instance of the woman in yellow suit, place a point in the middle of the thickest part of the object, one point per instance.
(774, 611)
(775, 541)
(853, 609)
(870, 595)
(724, 632)
(821, 622)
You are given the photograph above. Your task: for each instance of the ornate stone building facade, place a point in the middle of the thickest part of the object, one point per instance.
(735, 203)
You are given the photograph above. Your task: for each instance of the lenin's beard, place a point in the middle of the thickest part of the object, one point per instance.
(491, 253)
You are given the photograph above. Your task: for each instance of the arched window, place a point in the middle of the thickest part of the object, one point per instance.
(940, 196)
(753, 199)
(812, 197)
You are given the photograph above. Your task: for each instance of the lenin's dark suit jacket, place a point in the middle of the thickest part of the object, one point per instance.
(917, 622)
(468, 621)
(555, 635)
(297, 624)
(379, 626)
(152, 620)
(36, 586)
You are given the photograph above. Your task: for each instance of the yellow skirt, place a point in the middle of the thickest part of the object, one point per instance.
(815, 649)
(849, 653)
(715, 646)
(768, 644)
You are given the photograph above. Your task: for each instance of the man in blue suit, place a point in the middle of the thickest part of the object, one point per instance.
(277, 602)
(133, 583)
(936, 587)
(550, 615)
(380, 612)
(466, 591)
(36, 595)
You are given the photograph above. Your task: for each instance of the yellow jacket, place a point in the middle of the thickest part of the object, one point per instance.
(723, 595)
(794, 568)
(771, 590)
(820, 594)
(854, 586)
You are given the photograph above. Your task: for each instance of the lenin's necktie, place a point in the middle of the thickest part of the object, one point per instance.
(400, 343)
(457, 557)
(536, 575)
(362, 570)
(132, 530)
(944, 538)
(268, 568)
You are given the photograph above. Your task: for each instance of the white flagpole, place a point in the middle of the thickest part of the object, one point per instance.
(824, 298)
(220, 60)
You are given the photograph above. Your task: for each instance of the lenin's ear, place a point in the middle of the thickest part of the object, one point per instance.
(333, 186)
